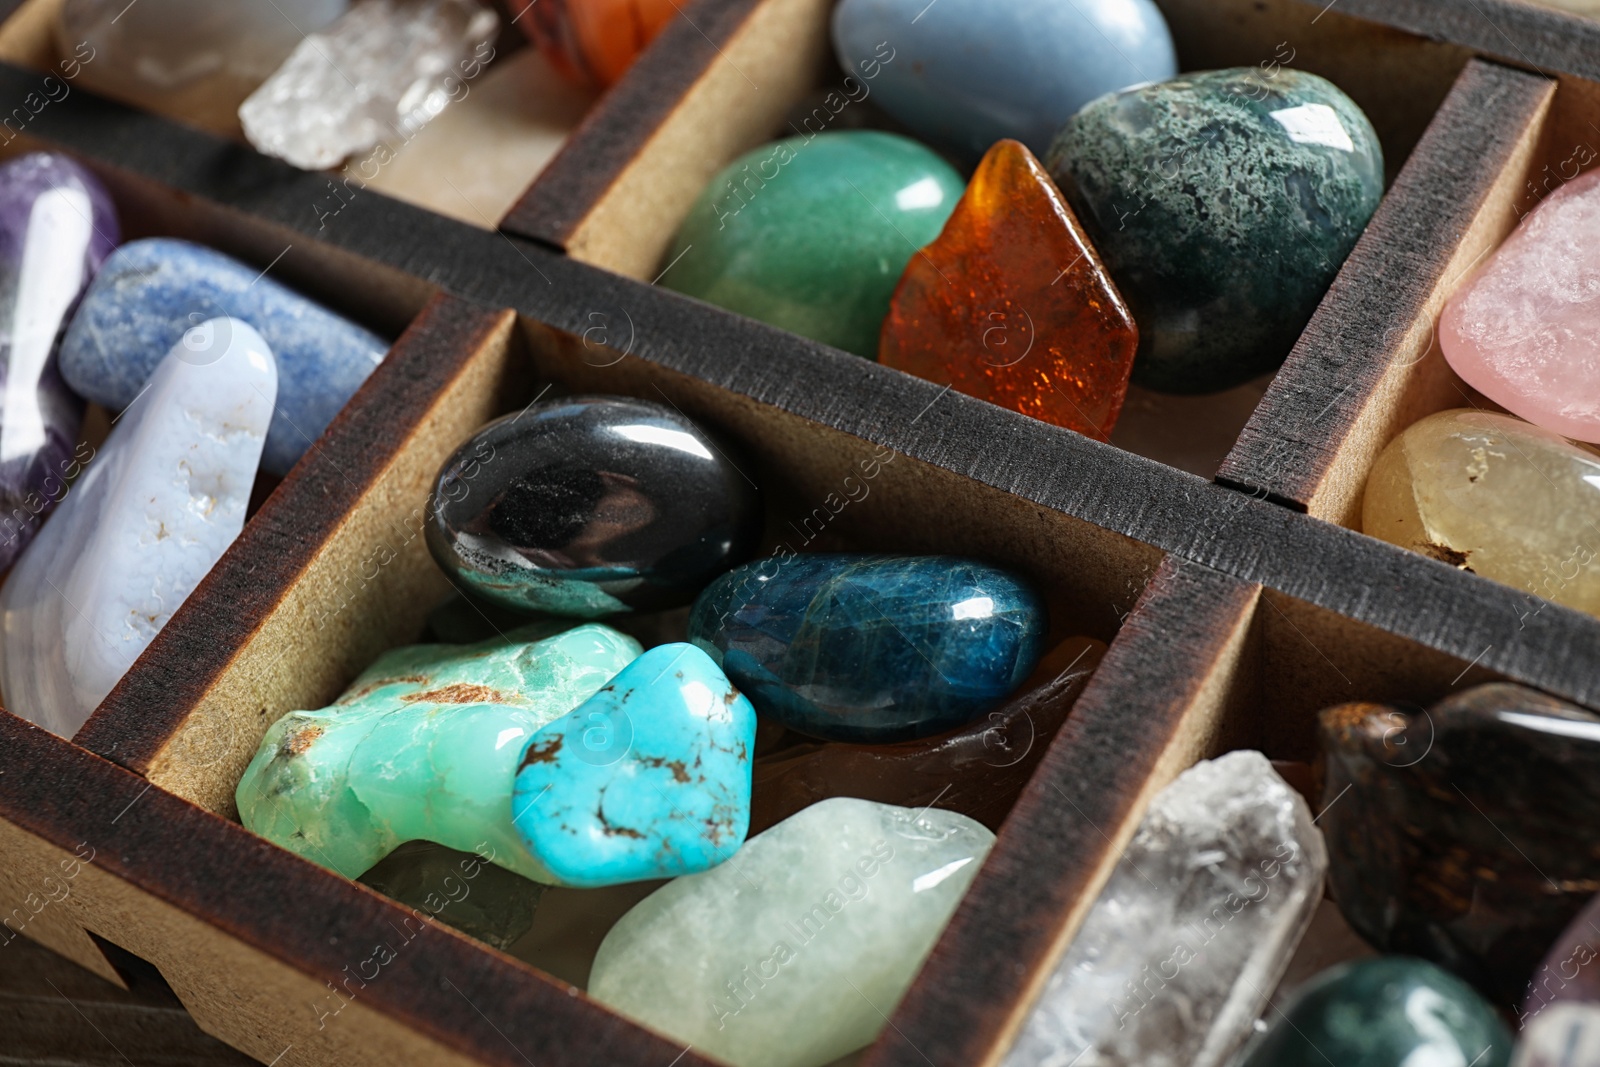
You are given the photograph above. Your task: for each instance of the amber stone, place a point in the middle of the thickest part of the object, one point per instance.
(593, 42)
(977, 770)
(1012, 305)
(1464, 833)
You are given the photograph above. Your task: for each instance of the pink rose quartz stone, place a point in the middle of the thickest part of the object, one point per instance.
(1525, 330)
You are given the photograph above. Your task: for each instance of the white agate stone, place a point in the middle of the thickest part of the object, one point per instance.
(152, 513)
(1201, 916)
(793, 952)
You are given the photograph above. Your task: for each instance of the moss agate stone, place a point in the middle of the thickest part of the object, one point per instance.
(871, 648)
(1223, 203)
(812, 233)
(424, 746)
(648, 778)
(789, 955)
(1385, 1012)
(1464, 834)
(1496, 496)
(151, 292)
(590, 506)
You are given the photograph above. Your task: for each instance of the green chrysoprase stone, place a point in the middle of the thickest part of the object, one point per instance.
(812, 233)
(424, 746)
(1223, 203)
(788, 954)
(1391, 1011)
(466, 890)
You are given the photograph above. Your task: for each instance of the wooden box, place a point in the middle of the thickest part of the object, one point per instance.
(1235, 608)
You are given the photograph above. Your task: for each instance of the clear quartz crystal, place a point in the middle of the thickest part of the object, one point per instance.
(193, 60)
(377, 75)
(1191, 934)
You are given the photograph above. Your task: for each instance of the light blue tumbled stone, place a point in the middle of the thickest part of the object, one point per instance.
(151, 292)
(648, 778)
(963, 74)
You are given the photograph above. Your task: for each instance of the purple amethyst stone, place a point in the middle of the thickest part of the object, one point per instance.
(57, 226)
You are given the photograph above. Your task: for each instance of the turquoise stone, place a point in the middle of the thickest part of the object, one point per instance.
(812, 233)
(871, 648)
(648, 778)
(424, 746)
(1223, 203)
(1391, 1011)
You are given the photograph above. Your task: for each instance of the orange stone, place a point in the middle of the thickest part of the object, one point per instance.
(593, 42)
(1012, 305)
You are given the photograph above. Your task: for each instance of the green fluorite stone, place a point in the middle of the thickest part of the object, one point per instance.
(1391, 1011)
(1223, 203)
(424, 746)
(813, 233)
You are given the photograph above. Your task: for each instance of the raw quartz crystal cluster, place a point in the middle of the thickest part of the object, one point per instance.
(789, 955)
(57, 226)
(143, 525)
(376, 75)
(193, 60)
(1189, 938)
(1525, 330)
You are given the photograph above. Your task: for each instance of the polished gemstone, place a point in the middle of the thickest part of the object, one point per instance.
(594, 42)
(424, 746)
(1223, 203)
(963, 74)
(812, 233)
(150, 292)
(871, 648)
(1189, 937)
(1570, 970)
(1012, 305)
(1385, 1012)
(788, 955)
(466, 890)
(150, 516)
(192, 60)
(1566, 1035)
(379, 73)
(591, 506)
(1467, 832)
(648, 778)
(978, 770)
(1493, 495)
(1525, 330)
(57, 226)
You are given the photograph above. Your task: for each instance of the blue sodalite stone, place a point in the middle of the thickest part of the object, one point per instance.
(648, 778)
(963, 74)
(150, 293)
(871, 648)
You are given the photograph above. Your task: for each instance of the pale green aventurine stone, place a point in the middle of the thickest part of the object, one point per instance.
(793, 952)
(424, 747)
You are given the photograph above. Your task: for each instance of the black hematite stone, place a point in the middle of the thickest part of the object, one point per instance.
(591, 506)
(1465, 834)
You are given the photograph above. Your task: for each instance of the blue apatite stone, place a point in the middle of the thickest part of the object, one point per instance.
(648, 778)
(871, 648)
(963, 74)
(152, 292)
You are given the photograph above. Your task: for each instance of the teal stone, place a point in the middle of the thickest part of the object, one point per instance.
(1391, 1011)
(1223, 203)
(648, 778)
(424, 747)
(813, 233)
(868, 648)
